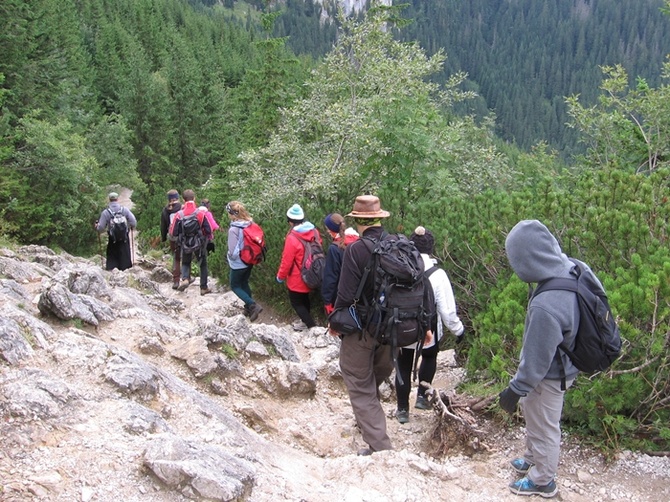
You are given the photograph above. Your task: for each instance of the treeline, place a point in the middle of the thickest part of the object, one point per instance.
(150, 94)
(522, 57)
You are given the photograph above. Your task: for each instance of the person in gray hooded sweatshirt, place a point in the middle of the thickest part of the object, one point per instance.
(552, 317)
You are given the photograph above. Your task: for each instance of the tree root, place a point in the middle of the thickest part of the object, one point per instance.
(457, 426)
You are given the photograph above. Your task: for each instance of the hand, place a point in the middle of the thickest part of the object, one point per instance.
(280, 281)
(509, 400)
(428, 338)
(329, 308)
(460, 338)
(210, 247)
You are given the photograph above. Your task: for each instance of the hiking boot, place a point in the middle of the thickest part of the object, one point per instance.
(299, 326)
(520, 465)
(183, 284)
(254, 310)
(422, 403)
(205, 291)
(402, 416)
(175, 285)
(191, 280)
(245, 311)
(525, 486)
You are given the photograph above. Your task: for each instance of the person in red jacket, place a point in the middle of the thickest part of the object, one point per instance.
(291, 263)
(200, 254)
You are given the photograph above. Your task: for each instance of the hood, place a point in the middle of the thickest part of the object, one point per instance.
(303, 228)
(240, 223)
(534, 253)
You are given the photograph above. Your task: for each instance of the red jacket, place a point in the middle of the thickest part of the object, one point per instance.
(188, 208)
(291, 259)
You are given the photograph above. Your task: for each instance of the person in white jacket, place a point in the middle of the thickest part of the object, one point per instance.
(446, 316)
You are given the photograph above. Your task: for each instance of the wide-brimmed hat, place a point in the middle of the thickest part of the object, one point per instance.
(368, 206)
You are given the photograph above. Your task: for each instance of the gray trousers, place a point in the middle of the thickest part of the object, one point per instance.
(542, 409)
(364, 365)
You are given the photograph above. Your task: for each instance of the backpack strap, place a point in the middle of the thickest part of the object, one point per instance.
(563, 284)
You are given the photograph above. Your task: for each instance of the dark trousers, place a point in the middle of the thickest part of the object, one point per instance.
(239, 284)
(426, 372)
(118, 255)
(186, 259)
(176, 262)
(301, 304)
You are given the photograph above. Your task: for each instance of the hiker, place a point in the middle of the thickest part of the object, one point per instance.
(118, 248)
(291, 263)
(240, 272)
(446, 314)
(173, 206)
(552, 318)
(364, 361)
(205, 207)
(192, 243)
(342, 237)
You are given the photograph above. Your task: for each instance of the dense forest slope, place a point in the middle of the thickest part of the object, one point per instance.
(523, 57)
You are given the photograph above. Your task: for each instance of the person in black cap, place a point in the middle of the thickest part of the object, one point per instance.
(446, 315)
(118, 243)
(173, 206)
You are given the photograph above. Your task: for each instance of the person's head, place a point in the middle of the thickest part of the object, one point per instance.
(205, 203)
(189, 195)
(172, 197)
(367, 211)
(335, 224)
(295, 215)
(237, 211)
(113, 196)
(534, 253)
(423, 240)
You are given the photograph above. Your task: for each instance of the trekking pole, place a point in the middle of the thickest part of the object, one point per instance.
(132, 247)
(100, 247)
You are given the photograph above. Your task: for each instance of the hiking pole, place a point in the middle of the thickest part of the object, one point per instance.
(132, 248)
(99, 245)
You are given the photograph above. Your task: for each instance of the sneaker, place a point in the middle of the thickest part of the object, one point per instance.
(299, 326)
(183, 284)
(520, 465)
(402, 416)
(254, 310)
(175, 285)
(191, 280)
(245, 311)
(525, 486)
(205, 291)
(422, 403)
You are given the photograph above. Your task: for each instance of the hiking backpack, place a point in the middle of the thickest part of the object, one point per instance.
(191, 237)
(313, 263)
(118, 226)
(403, 302)
(253, 246)
(597, 342)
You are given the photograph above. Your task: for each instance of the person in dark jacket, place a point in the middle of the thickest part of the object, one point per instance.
(552, 318)
(365, 362)
(173, 206)
(118, 253)
(342, 237)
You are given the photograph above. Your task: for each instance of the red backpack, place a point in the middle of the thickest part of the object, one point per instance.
(254, 248)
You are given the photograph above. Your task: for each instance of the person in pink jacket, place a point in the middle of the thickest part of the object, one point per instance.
(291, 263)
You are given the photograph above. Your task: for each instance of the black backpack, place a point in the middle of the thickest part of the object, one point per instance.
(313, 263)
(598, 341)
(403, 303)
(191, 236)
(118, 226)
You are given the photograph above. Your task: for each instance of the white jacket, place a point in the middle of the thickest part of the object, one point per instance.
(444, 301)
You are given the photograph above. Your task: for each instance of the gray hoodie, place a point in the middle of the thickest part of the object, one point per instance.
(553, 315)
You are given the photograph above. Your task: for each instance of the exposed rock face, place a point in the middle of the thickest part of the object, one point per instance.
(115, 387)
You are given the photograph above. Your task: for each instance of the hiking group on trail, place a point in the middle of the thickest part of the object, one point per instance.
(390, 305)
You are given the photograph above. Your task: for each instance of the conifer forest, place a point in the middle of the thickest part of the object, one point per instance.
(462, 116)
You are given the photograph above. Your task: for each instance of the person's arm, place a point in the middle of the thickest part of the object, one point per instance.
(445, 302)
(287, 257)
